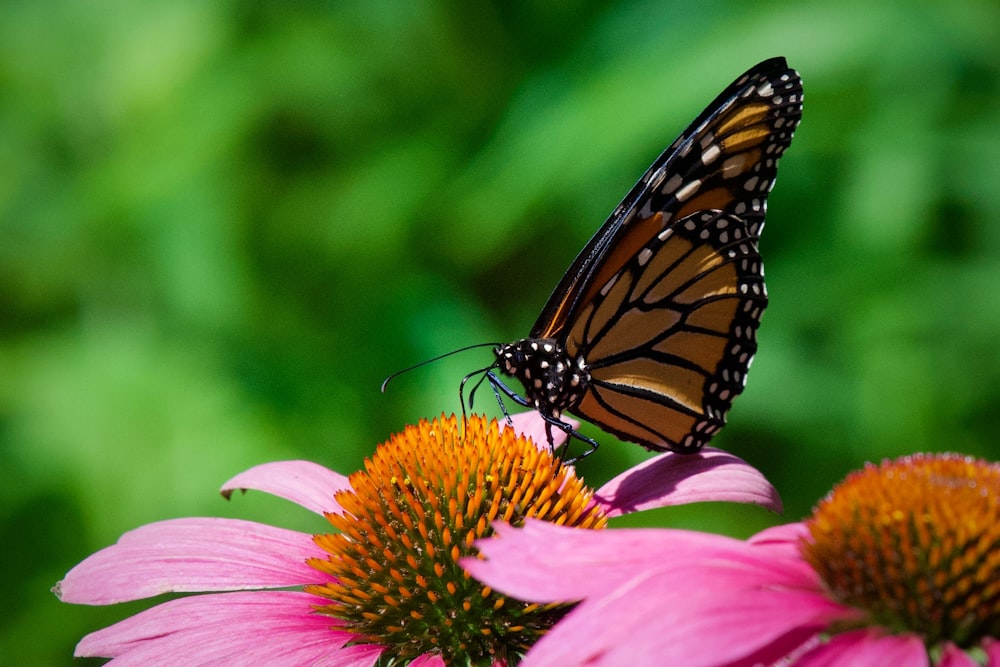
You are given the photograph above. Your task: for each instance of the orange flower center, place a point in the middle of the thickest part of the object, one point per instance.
(915, 543)
(416, 508)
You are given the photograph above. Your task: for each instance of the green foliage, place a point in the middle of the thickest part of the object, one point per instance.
(222, 224)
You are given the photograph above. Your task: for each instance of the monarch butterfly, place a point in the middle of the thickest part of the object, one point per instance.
(651, 331)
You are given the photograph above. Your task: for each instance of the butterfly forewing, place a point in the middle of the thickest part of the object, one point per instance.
(651, 331)
(726, 160)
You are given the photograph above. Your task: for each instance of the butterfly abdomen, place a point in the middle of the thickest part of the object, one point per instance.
(553, 380)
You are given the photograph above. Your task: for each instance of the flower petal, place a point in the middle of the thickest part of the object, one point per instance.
(867, 647)
(303, 482)
(786, 533)
(679, 479)
(188, 555)
(542, 562)
(783, 650)
(738, 604)
(358, 655)
(952, 656)
(225, 628)
(784, 540)
(992, 647)
(533, 426)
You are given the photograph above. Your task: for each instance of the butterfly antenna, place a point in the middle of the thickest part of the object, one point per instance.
(472, 394)
(385, 382)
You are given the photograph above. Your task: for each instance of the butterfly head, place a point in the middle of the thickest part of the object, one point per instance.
(553, 381)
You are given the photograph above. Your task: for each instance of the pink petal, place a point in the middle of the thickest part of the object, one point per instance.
(303, 482)
(532, 425)
(358, 655)
(952, 656)
(435, 660)
(782, 651)
(678, 479)
(701, 616)
(222, 628)
(188, 555)
(866, 647)
(542, 562)
(992, 648)
(783, 534)
(782, 541)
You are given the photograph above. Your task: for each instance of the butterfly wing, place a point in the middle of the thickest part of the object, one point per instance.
(669, 339)
(726, 160)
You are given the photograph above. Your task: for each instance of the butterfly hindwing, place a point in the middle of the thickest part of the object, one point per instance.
(670, 338)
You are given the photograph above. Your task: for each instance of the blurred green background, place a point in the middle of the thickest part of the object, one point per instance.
(222, 224)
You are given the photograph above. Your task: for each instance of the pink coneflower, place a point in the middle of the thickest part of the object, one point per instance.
(899, 565)
(386, 586)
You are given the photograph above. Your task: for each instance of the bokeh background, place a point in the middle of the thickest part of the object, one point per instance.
(223, 224)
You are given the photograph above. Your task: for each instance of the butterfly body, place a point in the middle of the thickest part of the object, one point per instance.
(553, 380)
(651, 331)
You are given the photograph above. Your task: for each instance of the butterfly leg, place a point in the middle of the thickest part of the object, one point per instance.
(550, 421)
(572, 434)
(499, 386)
(503, 406)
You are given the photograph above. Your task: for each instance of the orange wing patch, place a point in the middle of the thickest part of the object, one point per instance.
(660, 426)
(634, 235)
(660, 343)
(691, 270)
(717, 198)
(704, 350)
(742, 117)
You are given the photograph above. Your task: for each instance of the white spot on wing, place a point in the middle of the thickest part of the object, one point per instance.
(672, 184)
(734, 166)
(710, 154)
(608, 285)
(688, 190)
